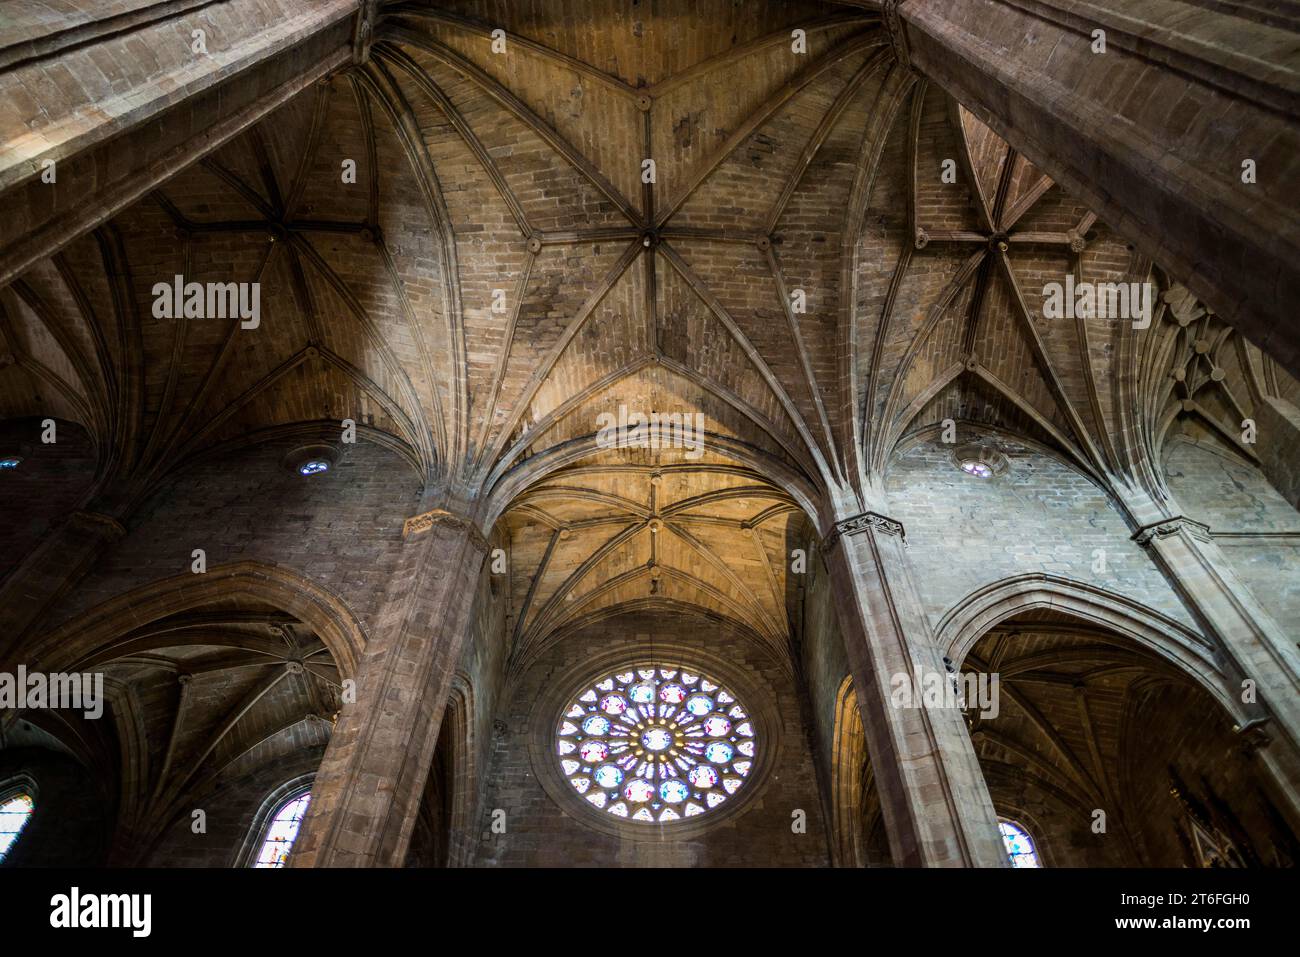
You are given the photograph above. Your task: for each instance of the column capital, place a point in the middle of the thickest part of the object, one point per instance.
(419, 524)
(1145, 535)
(866, 521)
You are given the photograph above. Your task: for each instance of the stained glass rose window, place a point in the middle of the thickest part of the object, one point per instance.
(656, 744)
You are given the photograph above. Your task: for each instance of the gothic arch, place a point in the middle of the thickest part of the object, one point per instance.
(71, 644)
(848, 752)
(971, 618)
(509, 484)
(459, 733)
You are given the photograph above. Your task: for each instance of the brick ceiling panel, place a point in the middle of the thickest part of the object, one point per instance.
(342, 130)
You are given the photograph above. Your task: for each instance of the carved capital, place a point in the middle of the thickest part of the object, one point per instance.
(1145, 535)
(893, 24)
(867, 521)
(418, 524)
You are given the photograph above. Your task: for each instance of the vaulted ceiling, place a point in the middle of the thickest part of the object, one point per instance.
(197, 701)
(501, 272)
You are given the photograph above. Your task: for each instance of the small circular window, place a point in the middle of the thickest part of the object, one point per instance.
(980, 460)
(656, 744)
(10, 462)
(313, 467)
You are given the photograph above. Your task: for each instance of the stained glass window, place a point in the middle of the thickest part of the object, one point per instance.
(656, 744)
(1020, 846)
(977, 469)
(314, 467)
(15, 811)
(282, 830)
(10, 462)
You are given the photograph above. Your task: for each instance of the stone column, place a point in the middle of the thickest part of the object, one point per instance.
(367, 792)
(1152, 133)
(936, 805)
(1254, 644)
(63, 556)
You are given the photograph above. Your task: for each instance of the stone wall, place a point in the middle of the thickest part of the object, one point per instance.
(1039, 516)
(341, 529)
(540, 832)
(70, 825)
(1255, 526)
(50, 482)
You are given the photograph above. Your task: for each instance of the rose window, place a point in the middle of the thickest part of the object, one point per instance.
(656, 744)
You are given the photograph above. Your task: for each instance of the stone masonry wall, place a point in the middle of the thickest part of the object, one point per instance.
(540, 832)
(341, 529)
(1255, 526)
(1040, 516)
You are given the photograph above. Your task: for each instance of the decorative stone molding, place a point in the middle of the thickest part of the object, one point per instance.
(866, 521)
(418, 524)
(893, 25)
(1145, 535)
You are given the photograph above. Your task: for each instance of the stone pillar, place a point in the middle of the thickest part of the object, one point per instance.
(1152, 133)
(1254, 644)
(936, 805)
(367, 792)
(63, 556)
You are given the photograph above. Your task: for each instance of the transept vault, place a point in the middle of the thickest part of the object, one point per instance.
(601, 432)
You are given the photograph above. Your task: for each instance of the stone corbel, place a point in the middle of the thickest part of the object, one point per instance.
(867, 521)
(1145, 535)
(1254, 734)
(418, 524)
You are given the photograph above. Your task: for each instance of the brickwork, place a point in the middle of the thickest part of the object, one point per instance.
(94, 106)
(1257, 529)
(1036, 79)
(53, 483)
(1041, 516)
(230, 814)
(340, 529)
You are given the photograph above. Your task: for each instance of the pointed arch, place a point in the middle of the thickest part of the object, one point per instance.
(325, 613)
(1191, 654)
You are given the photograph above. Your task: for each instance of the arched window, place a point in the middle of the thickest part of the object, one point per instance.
(282, 831)
(1020, 846)
(15, 811)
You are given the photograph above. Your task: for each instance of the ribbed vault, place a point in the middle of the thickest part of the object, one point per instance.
(831, 255)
